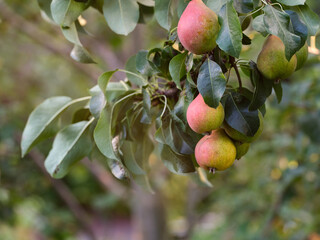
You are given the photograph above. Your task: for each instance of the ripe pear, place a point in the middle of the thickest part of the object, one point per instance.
(272, 62)
(242, 149)
(202, 118)
(215, 151)
(238, 136)
(302, 56)
(198, 28)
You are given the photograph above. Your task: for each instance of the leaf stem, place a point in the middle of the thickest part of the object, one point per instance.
(234, 65)
(132, 73)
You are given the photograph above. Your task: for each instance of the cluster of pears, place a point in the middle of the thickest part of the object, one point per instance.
(272, 62)
(223, 144)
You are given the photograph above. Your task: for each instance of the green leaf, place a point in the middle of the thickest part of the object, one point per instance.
(66, 12)
(105, 128)
(97, 4)
(243, 6)
(149, 3)
(82, 114)
(69, 146)
(146, 116)
(246, 40)
(230, 35)
(189, 62)
(211, 83)
(80, 54)
(310, 18)
(263, 88)
(103, 134)
(115, 90)
(177, 68)
(117, 168)
(133, 75)
(176, 163)
(71, 34)
(201, 178)
(239, 117)
(143, 64)
(104, 79)
(258, 25)
(97, 103)
(162, 13)
(292, 2)
(172, 131)
(40, 124)
(279, 23)
(278, 90)
(299, 28)
(45, 6)
(122, 15)
(216, 5)
(181, 7)
(129, 149)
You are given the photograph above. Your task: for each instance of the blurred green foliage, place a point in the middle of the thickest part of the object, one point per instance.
(271, 193)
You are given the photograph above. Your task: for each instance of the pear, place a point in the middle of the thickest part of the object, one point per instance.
(198, 28)
(272, 62)
(242, 149)
(215, 151)
(202, 118)
(302, 56)
(238, 136)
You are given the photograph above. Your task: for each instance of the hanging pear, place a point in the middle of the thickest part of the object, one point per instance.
(215, 151)
(272, 62)
(198, 28)
(202, 118)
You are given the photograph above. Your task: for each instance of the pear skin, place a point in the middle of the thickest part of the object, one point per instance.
(198, 28)
(202, 118)
(215, 151)
(302, 56)
(272, 62)
(242, 149)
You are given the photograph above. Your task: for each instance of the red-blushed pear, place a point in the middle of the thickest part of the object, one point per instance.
(272, 62)
(215, 151)
(202, 118)
(198, 28)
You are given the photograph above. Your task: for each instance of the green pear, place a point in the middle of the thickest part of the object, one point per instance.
(202, 118)
(198, 28)
(238, 136)
(215, 151)
(302, 56)
(242, 149)
(272, 62)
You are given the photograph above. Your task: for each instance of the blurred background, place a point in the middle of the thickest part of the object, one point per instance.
(271, 193)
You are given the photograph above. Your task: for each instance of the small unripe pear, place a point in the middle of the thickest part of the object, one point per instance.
(242, 149)
(238, 136)
(215, 151)
(202, 118)
(302, 56)
(272, 62)
(198, 28)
